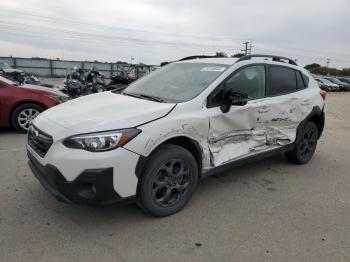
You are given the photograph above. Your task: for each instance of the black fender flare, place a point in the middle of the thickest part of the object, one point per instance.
(315, 112)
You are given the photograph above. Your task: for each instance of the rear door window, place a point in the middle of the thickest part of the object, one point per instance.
(282, 80)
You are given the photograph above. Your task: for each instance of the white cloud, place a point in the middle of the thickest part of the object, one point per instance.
(308, 30)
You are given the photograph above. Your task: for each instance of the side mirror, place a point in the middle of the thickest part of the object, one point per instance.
(234, 98)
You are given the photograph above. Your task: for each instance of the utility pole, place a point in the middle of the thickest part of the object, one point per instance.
(328, 61)
(250, 47)
(247, 48)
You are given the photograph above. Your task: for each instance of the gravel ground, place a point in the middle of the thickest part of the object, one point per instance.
(266, 211)
(52, 81)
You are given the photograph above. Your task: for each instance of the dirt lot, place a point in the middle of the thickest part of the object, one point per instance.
(266, 211)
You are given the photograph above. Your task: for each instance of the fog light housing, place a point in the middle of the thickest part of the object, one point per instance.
(86, 190)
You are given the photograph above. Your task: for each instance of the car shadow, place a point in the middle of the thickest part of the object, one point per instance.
(8, 130)
(261, 174)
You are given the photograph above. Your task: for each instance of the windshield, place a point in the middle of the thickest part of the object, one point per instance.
(7, 81)
(178, 82)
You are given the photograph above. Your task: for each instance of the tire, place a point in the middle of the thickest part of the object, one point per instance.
(305, 145)
(24, 114)
(168, 182)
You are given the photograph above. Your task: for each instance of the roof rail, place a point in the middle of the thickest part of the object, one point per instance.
(198, 57)
(274, 58)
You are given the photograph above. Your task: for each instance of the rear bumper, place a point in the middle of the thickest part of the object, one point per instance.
(91, 187)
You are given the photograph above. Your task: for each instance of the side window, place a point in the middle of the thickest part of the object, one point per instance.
(249, 80)
(306, 80)
(282, 80)
(300, 81)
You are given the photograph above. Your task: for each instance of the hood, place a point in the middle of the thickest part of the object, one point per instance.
(104, 111)
(52, 91)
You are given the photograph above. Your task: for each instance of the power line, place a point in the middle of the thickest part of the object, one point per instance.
(72, 21)
(17, 28)
(38, 31)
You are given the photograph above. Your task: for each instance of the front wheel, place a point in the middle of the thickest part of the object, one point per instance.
(305, 144)
(169, 179)
(24, 114)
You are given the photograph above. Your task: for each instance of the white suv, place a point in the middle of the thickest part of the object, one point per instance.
(190, 119)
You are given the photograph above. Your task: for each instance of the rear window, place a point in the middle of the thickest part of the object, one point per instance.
(282, 80)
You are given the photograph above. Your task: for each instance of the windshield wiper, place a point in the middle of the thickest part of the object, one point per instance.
(142, 96)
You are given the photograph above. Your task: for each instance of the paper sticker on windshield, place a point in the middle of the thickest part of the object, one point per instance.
(213, 69)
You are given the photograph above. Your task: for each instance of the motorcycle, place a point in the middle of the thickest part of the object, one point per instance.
(75, 88)
(116, 83)
(95, 80)
(32, 80)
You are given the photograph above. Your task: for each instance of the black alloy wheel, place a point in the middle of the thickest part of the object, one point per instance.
(171, 182)
(305, 144)
(167, 181)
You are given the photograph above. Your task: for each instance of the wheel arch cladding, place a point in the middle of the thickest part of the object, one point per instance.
(189, 144)
(319, 121)
(317, 117)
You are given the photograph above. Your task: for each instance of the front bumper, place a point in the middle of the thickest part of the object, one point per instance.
(91, 187)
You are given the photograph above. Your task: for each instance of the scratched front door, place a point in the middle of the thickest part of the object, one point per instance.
(242, 130)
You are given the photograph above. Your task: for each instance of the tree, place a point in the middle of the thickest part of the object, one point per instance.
(322, 70)
(312, 66)
(238, 55)
(221, 54)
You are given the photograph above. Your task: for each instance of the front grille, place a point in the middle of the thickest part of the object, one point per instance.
(39, 140)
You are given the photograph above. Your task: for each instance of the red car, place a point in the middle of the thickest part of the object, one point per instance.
(19, 104)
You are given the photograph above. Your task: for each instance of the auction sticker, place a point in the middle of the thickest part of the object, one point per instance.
(213, 69)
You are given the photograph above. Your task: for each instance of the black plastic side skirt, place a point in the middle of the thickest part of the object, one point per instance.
(246, 160)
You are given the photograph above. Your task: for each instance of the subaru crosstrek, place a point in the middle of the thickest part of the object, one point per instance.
(190, 119)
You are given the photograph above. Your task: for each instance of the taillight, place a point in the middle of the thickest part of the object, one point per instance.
(323, 94)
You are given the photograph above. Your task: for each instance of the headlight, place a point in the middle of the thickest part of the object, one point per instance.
(102, 141)
(58, 98)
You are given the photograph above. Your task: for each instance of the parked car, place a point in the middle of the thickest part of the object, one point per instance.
(342, 86)
(20, 104)
(186, 121)
(322, 85)
(344, 79)
(327, 85)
